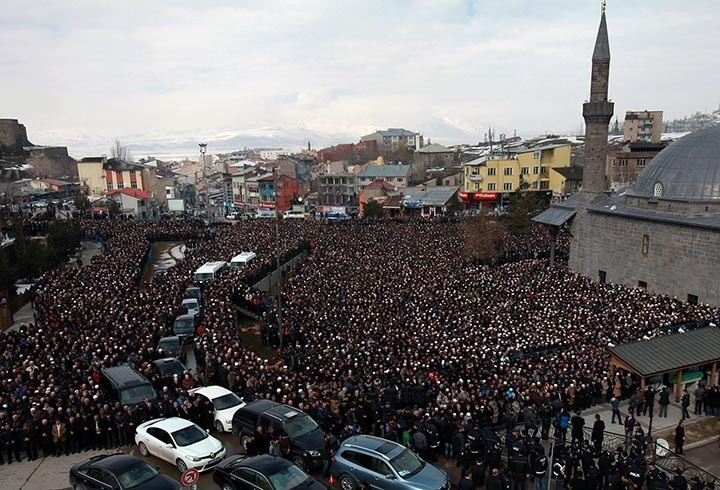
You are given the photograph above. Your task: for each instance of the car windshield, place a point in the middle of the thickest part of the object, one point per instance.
(407, 463)
(136, 394)
(169, 345)
(136, 475)
(226, 401)
(300, 425)
(288, 477)
(184, 325)
(168, 368)
(189, 435)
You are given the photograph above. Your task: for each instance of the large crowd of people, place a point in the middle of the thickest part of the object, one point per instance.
(386, 329)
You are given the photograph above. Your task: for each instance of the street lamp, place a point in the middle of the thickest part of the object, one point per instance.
(203, 149)
(277, 259)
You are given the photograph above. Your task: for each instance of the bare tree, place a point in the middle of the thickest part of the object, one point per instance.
(120, 151)
(484, 238)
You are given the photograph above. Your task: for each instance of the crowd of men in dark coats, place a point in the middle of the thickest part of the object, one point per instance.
(384, 326)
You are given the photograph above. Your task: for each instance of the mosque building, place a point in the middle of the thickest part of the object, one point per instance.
(663, 233)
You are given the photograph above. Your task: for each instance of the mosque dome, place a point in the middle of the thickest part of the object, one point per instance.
(687, 170)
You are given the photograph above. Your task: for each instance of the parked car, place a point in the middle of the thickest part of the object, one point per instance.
(127, 385)
(171, 346)
(193, 292)
(224, 402)
(263, 473)
(170, 366)
(304, 433)
(118, 472)
(184, 326)
(384, 464)
(180, 442)
(192, 305)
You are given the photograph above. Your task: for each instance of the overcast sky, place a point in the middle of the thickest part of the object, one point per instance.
(150, 70)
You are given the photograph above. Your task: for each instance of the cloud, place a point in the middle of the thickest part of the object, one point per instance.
(447, 68)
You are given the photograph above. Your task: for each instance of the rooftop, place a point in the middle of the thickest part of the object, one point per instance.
(671, 352)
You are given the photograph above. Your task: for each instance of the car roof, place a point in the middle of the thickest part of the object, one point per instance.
(169, 338)
(265, 463)
(166, 360)
(186, 316)
(114, 462)
(190, 300)
(273, 408)
(384, 447)
(170, 424)
(212, 391)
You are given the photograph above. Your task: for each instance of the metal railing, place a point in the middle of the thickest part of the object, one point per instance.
(662, 456)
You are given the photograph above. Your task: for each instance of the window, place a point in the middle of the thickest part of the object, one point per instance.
(507, 186)
(536, 170)
(380, 466)
(692, 299)
(535, 185)
(544, 185)
(477, 186)
(492, 186)
(645, 244)
(642, 285)
(602, 277)
(132, 172)
(507, 171)
(525, 171)
(492, 171)
(641, 162)
(121, 185)
(623, 162)
(109, 186)
(658, 190)
(537, 155)
(544, 171)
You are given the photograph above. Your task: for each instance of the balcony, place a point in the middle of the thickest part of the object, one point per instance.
(475, 177)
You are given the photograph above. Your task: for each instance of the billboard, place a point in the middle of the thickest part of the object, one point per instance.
(176, 205)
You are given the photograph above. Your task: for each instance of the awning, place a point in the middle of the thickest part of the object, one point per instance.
(554, 216)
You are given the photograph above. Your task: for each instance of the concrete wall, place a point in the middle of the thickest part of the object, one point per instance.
(680, 260)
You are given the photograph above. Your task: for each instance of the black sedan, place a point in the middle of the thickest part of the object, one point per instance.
(261, 473)
(118, 471)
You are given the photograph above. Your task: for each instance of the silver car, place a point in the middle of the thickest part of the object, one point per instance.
(384, 465)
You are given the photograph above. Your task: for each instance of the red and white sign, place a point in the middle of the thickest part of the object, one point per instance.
(266, 205)
(190, 477)
(478, 196)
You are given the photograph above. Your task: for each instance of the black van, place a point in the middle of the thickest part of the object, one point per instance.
(129, 386)
(304, 433)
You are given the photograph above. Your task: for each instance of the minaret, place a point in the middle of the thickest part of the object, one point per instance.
(597, 113)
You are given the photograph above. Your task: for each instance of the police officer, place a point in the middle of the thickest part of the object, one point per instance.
(539, 470)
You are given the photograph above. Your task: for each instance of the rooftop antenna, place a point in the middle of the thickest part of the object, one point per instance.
(602, 6)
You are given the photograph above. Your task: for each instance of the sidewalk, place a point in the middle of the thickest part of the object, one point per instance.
(25, 314)
(658, 423)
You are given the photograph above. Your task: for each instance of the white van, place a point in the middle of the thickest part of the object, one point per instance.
(243, 259)
(207, 271)
(290, 214)
(265, 213)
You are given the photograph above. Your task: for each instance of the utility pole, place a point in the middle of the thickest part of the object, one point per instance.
(277, 259)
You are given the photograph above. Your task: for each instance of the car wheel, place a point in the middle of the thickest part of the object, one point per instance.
(143, 449)
(244, 441)
(228, 486)
(79, 486)
(346, 482)
(299, 461)
(181, 466)
(219, 426)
